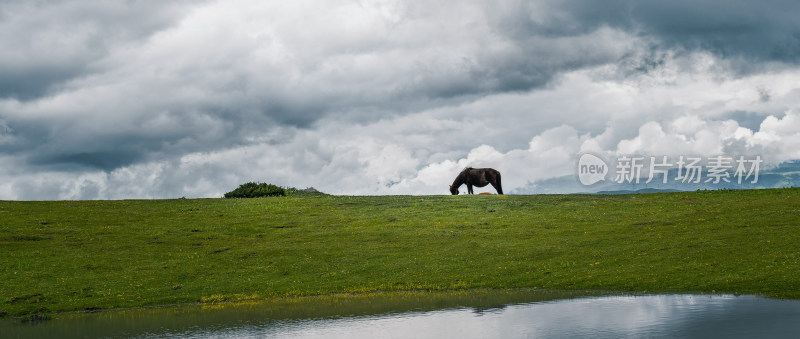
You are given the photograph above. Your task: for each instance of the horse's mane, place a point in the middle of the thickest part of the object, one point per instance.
(462, 176)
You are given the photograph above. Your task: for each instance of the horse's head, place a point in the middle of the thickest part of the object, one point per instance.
(453, 190)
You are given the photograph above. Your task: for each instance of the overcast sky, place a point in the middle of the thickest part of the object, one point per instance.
(163, 99)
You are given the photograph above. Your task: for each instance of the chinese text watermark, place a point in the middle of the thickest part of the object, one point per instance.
(681, 169)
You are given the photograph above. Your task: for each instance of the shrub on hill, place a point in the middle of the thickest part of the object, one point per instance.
(255, 190)
(291, 191)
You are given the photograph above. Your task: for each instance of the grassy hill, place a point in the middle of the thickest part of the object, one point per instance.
(75, 255)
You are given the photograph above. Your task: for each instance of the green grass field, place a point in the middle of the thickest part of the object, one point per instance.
(76, 255)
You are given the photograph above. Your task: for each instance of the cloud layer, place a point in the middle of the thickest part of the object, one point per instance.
(166, 99)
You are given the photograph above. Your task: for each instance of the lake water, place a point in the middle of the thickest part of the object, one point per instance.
(476, 314)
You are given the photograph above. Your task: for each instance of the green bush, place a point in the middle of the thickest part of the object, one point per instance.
(311, 191)
(255, 190)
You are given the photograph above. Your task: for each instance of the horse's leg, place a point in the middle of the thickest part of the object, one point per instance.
(496, 184)
(469, 188)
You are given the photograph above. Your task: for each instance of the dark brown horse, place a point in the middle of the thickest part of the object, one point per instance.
(477, 177)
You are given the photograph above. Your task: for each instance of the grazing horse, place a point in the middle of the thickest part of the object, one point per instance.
(477, 177)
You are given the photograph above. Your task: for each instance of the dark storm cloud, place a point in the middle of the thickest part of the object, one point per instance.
(745, 31)
(31, 82)
(107, 144)
(753, 30)
(546, 38)
(46, 43)
(105, 160)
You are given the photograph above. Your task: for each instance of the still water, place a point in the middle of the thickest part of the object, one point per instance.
(477, 314)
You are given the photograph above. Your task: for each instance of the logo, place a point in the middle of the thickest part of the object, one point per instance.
(696, 170)
(591, 169)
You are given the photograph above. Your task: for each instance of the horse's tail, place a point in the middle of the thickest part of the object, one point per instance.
(499, 186)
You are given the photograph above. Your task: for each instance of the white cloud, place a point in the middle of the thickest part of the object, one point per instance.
(781, 136)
